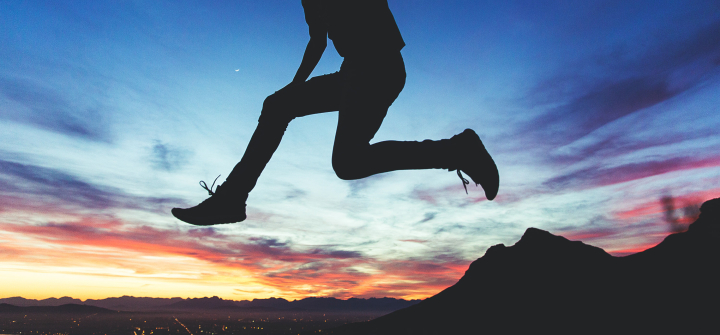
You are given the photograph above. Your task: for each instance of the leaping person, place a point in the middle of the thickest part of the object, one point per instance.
(371, 77)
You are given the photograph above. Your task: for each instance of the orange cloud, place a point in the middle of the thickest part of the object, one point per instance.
(102, 242)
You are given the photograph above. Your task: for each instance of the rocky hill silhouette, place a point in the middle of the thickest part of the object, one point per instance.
(548, 283)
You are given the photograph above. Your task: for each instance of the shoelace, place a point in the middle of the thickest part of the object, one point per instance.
(210, 191)
(464, 181)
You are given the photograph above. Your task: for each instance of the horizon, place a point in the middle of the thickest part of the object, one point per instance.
(601, 116)
(206, 297)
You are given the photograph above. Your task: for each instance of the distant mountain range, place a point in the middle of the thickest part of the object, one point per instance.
(61, 309)
(548, 284)
(128, 303)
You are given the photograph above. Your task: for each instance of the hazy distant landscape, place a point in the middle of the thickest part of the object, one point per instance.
(139, 315)
(130, 303)
(157, 323)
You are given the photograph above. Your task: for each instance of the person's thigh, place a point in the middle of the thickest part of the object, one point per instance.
(318, 95)
(357, 125)
(368, 91)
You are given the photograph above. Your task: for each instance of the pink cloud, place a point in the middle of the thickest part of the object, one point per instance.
(599, 176)
(277, 264)
(652, 205)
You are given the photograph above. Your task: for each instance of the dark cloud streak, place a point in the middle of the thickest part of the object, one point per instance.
(602, 176)
(47, 109)
(167, 158)
(57, 187)
(620, 84)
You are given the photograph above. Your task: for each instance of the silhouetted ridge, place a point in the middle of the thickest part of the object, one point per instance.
(548, 283)
(129, 303)
(204, 303)
(317, 304)
(20, 301)
(307, 304)
(62, 309)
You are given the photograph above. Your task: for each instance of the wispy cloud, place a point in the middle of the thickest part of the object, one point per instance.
(619, 83)
(651, 206)
(167, 157)
(55, 187)
(600, 175)
(37, 180)
(428, 217)
(47, 108)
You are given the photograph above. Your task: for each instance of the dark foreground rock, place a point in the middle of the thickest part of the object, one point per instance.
(550, 284)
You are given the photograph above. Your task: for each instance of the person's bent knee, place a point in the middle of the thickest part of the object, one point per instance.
(273, 111)
(346, 170)
(346, 174)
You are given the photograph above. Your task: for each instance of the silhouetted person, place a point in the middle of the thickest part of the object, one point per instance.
(372, 75)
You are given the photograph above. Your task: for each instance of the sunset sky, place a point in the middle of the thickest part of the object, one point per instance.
(111, 112)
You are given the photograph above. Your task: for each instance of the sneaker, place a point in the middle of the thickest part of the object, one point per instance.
(220, 207)
(477, 164)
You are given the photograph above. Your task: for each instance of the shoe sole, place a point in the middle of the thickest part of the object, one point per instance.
(207, 220)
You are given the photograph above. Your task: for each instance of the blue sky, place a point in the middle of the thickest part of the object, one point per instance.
(111, 112)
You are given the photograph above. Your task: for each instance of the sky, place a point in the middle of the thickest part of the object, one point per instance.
(111, 112)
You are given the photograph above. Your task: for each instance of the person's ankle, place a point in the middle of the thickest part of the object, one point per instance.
(231, 191)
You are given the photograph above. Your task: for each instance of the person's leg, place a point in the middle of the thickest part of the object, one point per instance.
(371, 86)
(355, 158)
(369, 92)
(227, 203)
(317, 95)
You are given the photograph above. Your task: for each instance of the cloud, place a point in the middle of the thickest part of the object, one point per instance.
(204, 232)
(56, 184)
(357, 186)
(167, 158)
(444, 197)
(276, 265)
(46, 108)
(205, 244)
(616, 143)
(343, 254)
(619, 83)
(428, 217)
(599, 175)
(450, 227)
(597, 228)
(414, 241)
(601, 105)
(267, 242)
(650, 206)
(612, 236)
(295, 193)
(52, 187)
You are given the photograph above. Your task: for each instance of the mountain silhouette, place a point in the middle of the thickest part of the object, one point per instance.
(74, 309)
(203, 304)
(130, 303)
(307, 304)
(548, 283)
(353, 304)
(20, 301)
